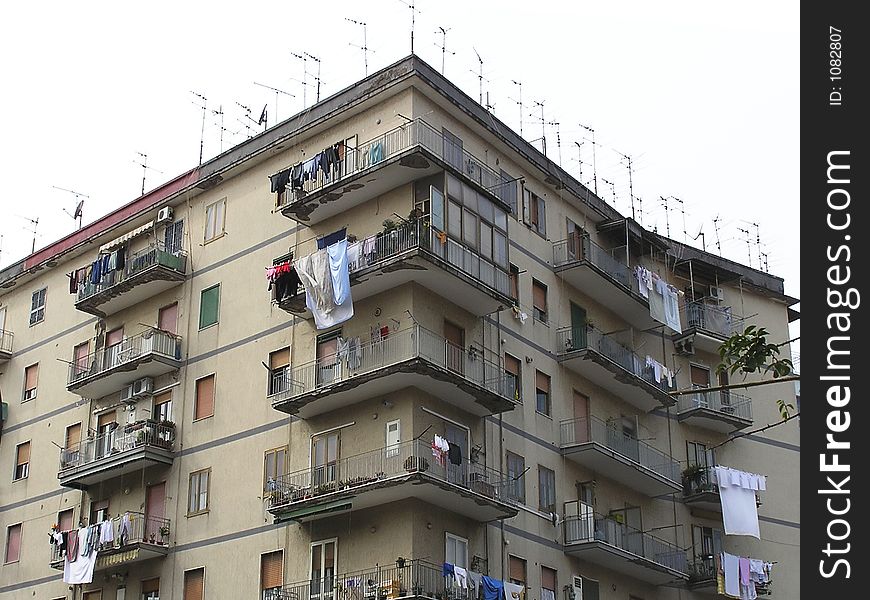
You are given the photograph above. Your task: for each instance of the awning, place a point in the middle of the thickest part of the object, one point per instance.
(336, 506)
(127, 237)
(110, 560)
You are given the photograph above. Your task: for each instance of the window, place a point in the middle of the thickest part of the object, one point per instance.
(279, 360)
(162, 409)
(542, 393)
(81, 354)
(204, 404)
(516, 469)
(508, 191)
(515, 282)
(548, 583)
(324, 458)
(37, 306)
(22, 461)
(99, 511)
(271, 574)
(274, 462)
(534, 212)
(214, 219)
(517, 570)
(93, 595)
(513, 370)
(706, 544)
(31, 378)
(194, 581)
(13, 543)
(72, 441)
(209, 306)
(172, 237)
(456, 550)
(546, 489)
(197, 492)
(167, 318)
(539, 300)
(700, 376)
(322, 573)
(65, 520)
(151, 589)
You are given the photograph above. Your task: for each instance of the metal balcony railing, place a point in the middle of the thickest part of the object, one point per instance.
(725, 402)
(572, 339)
(381, 465)
(136, 528)
(151, 341)
(715, 319)
(397, 141)
(702, 569)
(128, 437)
(6, 341)
(700, 482)
(598, 528)
(610, 435)
(289, 382)
(581, 248)
(136, 263)
(406, 578)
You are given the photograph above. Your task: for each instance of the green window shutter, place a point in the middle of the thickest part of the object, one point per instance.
(209, 305)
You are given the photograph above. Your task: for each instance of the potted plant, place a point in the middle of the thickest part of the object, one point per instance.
(692, 476)
(164, 533)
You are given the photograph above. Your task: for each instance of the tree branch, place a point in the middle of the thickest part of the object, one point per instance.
(759, 430)
(732, 386)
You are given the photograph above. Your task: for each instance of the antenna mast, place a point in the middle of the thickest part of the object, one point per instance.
(543, 126)
(277, 91)
(202, 132)
(364, 47)
(612, 189)
(630, 187)
(580, 158)
(34, 223)
(748, 244)
(443, 46)
(77, 212)
(414, 11)
(667, 219)
(594, 163)
(145, 167)
(520, 103)
(304, 76)
(317, 78)
(558, 140)
(716, 228)
(479, 75)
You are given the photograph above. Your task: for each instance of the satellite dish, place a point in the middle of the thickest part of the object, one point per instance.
(78, 212)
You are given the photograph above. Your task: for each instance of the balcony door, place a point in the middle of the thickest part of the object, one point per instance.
(324, 555)
(454, 337)
(706, 544)
(155, 511)
(581, 418)
(327, 359)
(700, 377)
(575, 241)
(80, 359)
(578, 328)
(324, 465)
(458, 436)
(114, 347)
(106, 426)
(167, 318)
(173, 237)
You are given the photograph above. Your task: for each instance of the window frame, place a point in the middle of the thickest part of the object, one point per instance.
(223, 221)
(198, 474)
(518, 376)
(548, 395)
(34, 389)
(544, 316)
(542, 470)
(9, 527)
(262, 556)
(525, 581)
(555, 580)
(217, 316)
(35, 310)
(184, 581)
(520, 482)
(26, 465)
(458, 539)
(273, 451)
(213, 377)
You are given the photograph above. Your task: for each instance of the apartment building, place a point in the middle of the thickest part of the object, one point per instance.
(247, 453)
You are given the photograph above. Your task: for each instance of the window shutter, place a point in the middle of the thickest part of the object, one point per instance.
(65, 520)
(115, 337)
(539, 296)
(542, 381)
(512, 365)
(204, 397)
(272, 570)
(548, 578)
(527, 209)
(73, 435)
(209, 306)
(542, 217)
(193, 584)
(167, 318)
(162, 398)
(700, 376)
(279, 358)
(517, 571)
(105, 419)
(23, 454)
(13, 543)
(151, 585)
(31, 376)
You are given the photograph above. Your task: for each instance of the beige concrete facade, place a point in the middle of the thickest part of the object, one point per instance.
(407, 519)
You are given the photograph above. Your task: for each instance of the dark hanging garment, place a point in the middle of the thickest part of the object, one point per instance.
(72, 282)
(122, 257)
(280, 180)
(296, 177)
(287, 285)
(332, 238)
(455, 454)
(72, 545)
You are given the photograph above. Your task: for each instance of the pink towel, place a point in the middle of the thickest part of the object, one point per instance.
(744, 570)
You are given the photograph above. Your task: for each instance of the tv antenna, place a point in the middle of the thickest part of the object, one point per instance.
(316, 78)
(76, 214)
(519, 103)
(716, 229)
(202, 132)
(414, 11)
(443, 46)
(277, 91)
(748, 243)
(304, 80)
(594, 163)
(764, 254)
(218, 113)
(640, 210)
(479, 74)
(250, 119)
(683, 211)
(757, 241)
(34, 223)
(543, 126)
(703, 238)
(365, 48)
(630, 187)
(667, 218)
(558, 140)
(612, 189)
(145, 167)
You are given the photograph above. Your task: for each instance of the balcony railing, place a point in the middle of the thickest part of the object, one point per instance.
(135, 264)
(5, 341)
(409, 578)
(715, 319)
(379, 467)
(597, 528)
(400, 346)
(702, 570)
(396, 141)
(139, 529)
(573, 339)
(701, 481)
(582, 249)
(725, 402)
(133, 436)
(610, 435)
(151, 341)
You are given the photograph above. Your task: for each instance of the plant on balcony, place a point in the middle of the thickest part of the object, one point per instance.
(693, 476)
(164, 533)
(416, 463)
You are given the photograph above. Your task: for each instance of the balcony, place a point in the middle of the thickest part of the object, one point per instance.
(413, 252)
(147, 537)
(702, 574)
(412, 357)
(597, 273)
(398, 472)
(129, 448)
(613, 366)
(606, 450)
(618, 547)
(700, 489)
(707, 327)
(395, 158)
(146, 273)
(721, 410)
(409, 578)
(6, 338)
(147, 354)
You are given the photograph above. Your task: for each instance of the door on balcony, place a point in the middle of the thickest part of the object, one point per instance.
(324, 556)
(457, 473)
(578, 328)
(167, 318)
(706, 544)
(155, 511)
(581, 422)
(700, 377)
(724, 395)
(80, 359)
(114, 346)
(580, 514)
(106, 426)
(327, 359)
(172, 237)
(99, 511)
(279, 373)
(393, 437)
(454, 345)
(324, 457)
(575, 241)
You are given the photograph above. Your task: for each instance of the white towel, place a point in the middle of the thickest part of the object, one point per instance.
(731, 567)
(513, 591)
(460, 575)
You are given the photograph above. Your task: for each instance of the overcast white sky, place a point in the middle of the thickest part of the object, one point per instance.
(704, 97)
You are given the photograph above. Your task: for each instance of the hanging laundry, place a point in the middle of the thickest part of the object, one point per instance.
(447, 569)
(657, 300)
(376, 153)
(309, 169)
(672, 309)
(279, 180)
(731, 568)
(514, 591)
(80, 570)
(493, 589)
(460, 576)
(737, 494)
(438, 450)
(454, 453)
(331, 238)
(296, 177)
(338, 270)
(642, 275)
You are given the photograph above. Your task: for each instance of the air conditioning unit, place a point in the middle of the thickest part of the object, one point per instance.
(164, 214)
(137, 389)
(575, 590)
(717, 293)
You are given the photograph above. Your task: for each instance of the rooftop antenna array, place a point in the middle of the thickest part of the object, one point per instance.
(34, 223)
(580, 159)
(703, 238)
(612, 189)
(594, 162)
(202, 132)
(543, 126)
(640, 210)
(277, 91)
(748, 243)
(80, 202)
(716, 220)
(365, 48)
(519, 102)
(304, 80)
(316, 78)
(558, 139)
(479, 75)
(414, 11)
(145, 167)
(667, 218)
(218, 113)
(757, 241)
(683, 210)
(250, 119)
(443, 46)
(764, 254)
(630, 186)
